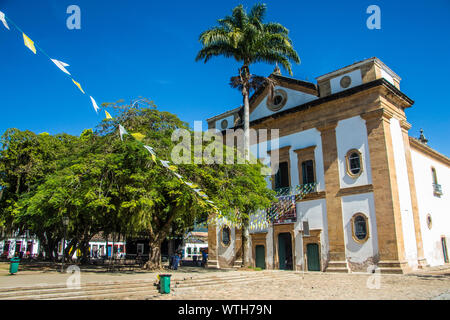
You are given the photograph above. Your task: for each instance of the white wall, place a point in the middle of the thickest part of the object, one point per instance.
(315, 212)
(294, 99)
(361, 203)
(401, 170)
(428, 203)
(351, 133)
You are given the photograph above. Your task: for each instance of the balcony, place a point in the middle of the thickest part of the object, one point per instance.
(437, 189)
(285, 211)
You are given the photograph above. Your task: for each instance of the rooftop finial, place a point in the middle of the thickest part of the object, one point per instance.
(422, 137)
(277, 69)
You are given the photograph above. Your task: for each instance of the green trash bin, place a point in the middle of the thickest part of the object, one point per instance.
(164, 283)
(14, 265)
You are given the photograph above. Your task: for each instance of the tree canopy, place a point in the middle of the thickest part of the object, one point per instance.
(104, 184)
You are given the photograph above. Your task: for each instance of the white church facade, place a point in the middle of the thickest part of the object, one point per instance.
(380, 197)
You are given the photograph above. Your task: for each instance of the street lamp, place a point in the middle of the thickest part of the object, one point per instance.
(65, 223)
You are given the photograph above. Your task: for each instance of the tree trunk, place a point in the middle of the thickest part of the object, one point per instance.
(245, 253)
(244, 74)
(154, 259)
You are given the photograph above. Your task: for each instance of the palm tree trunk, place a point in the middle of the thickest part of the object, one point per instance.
(245, 78)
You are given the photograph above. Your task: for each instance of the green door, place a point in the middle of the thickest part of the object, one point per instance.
(281, 251)
(312, 252)
(260, 259)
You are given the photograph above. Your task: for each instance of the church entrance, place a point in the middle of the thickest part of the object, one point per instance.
(285, 251)
(312, 255)
(260, 259)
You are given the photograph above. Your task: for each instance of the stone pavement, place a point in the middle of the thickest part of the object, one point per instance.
(203, 284)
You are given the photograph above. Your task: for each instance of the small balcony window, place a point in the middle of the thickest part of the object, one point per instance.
(437, 189)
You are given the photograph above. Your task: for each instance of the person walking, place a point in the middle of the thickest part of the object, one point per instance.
(176, 260)
(204, 258)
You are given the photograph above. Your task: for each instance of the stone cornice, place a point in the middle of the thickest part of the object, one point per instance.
(355, 190)
(377, 114)
(307, 149)
(280, 150)
(326, 126)
(405, 125)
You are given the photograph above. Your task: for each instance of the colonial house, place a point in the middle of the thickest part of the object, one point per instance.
(380, 198)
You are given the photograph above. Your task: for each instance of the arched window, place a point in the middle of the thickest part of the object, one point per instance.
(278, 101)
(354, 163)
(360, 228)
(226, 232)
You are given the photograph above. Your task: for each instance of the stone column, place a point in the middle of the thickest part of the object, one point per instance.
(386, 197)
(213, 259)
(336, 243)
(421, 260)
(238, 247)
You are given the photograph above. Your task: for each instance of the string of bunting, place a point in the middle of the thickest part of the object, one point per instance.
(274, 212)
(30, 44)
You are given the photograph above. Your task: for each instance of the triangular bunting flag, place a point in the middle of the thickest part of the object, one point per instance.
(165, 163)
(29, 43)
(78, 85)
(94, 104)
(61, 65)
(3, 19)
(178, 176)
(150, 149)
(138, 136)
(122, 131)
(108, 116)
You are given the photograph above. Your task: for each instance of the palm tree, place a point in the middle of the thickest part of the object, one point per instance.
(247, 39)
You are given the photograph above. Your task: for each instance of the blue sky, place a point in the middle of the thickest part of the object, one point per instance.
(127, 49)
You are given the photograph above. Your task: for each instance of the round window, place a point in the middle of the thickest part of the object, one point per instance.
(224, 124)
(345, 82)
(226, 236)
(278, 101)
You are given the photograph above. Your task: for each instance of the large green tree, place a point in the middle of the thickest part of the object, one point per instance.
(104, 184)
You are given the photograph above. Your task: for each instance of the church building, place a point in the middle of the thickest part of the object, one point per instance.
(377, 198)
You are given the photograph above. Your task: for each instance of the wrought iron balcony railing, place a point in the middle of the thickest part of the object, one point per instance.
(437, 189)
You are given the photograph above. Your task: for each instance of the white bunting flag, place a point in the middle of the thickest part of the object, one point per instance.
(61, 65)
(3, 19)
(94, 104)
(122, 131)
(150, 149)
(178, 176)
(165, 163)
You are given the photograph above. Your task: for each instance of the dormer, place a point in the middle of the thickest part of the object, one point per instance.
(226, 120)
(288, 93)
(356, 74)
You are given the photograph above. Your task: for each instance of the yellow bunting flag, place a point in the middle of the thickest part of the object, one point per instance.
(108, 116)
(29, 43)
(78, 85)
(173, 168)
(138, 136)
